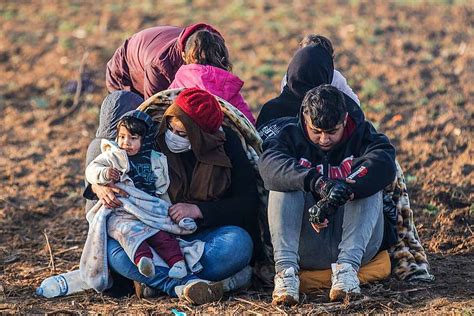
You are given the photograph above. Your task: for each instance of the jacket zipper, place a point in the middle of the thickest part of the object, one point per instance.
(325, 165)
(331, 226)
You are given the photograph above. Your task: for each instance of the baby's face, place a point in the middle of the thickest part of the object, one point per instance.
(128, 142)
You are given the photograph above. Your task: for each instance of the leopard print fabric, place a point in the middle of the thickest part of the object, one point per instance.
(409, 261)
(408, 255)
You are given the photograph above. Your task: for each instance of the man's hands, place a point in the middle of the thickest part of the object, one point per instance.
(112, 174)
(107, 194)
(179, 211)
(319, 212)
(335, 191)
(319, 227)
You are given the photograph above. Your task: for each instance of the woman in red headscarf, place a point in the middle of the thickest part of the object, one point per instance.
(212, 182)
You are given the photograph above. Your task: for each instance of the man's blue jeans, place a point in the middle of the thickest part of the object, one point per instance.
(228, 250)
(354, 233)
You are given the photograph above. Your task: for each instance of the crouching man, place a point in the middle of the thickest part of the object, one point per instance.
(325, 172)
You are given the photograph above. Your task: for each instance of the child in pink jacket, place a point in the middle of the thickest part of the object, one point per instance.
(208, 68)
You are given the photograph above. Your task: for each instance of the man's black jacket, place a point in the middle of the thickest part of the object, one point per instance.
(291, 162)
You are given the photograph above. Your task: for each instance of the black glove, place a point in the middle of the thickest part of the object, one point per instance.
(321, 210)
(335, 191)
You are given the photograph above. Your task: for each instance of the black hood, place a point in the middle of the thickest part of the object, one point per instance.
(310, 67)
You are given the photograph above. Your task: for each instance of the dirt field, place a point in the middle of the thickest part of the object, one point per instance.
(410, 62)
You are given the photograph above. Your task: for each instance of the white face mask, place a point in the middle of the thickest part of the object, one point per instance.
(176, 143)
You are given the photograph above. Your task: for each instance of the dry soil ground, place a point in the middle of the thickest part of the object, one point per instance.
(410, 62)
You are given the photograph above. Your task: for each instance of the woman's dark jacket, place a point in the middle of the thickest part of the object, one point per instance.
(238, 206)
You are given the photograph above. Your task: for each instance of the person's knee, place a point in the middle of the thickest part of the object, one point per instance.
(238, 243)
(290, 195)
(284, 202)
(372, 204)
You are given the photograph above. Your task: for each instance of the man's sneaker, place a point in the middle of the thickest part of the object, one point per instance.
(287, 288)
(239, 281)
(200, 292)
(344, 282)
(146, 267)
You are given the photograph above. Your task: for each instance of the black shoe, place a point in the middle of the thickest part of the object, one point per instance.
(144, 291)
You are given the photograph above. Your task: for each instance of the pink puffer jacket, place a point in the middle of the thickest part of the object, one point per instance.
(216, 81)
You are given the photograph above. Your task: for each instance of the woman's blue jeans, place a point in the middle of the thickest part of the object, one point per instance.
(228, 250)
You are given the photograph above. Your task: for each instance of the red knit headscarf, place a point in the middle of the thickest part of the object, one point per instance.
(202, 107)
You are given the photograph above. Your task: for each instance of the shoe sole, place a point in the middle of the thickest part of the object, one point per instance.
(339, 295)
(201, 293)
(287, 300)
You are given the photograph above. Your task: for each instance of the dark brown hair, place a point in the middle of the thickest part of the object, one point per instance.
(207, 48)
(318, 39)
(325, 106)
(133, 125)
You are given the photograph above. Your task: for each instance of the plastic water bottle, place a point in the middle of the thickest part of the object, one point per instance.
(62, 284)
